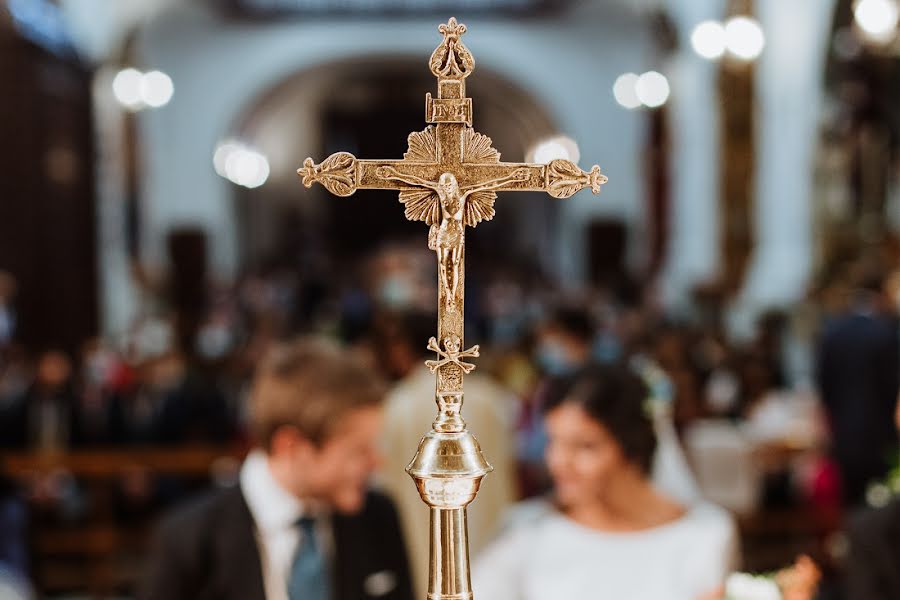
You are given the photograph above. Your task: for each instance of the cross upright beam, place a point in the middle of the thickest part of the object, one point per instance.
(448, 178)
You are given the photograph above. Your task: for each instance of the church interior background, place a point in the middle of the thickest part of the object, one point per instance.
(155, 239)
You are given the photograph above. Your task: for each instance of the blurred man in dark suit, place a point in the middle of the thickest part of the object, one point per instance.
(859, 375)
(301, 524)
(873, 563)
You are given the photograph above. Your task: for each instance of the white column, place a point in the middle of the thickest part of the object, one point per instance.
(117, 296)
(692, 255)
(789, 80)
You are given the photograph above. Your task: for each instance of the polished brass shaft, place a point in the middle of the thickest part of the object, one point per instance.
(449, 574)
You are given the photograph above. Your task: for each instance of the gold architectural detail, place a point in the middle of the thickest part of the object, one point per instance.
(448, 178)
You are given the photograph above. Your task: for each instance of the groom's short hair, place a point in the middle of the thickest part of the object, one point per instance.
(309, 384)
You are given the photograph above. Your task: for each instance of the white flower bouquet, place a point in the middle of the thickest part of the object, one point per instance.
(798, 582)
(744, 586)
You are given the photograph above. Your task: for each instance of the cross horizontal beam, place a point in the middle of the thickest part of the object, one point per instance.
(342, 174)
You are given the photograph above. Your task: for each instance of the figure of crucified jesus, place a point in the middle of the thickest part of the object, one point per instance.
(450, 234)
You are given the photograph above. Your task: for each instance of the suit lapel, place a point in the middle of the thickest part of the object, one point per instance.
(236, 545)
(370, 560)
(347, 567)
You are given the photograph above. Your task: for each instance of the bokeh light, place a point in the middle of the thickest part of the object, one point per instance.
(708, 39)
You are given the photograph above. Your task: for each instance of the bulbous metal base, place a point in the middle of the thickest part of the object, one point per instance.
(448, 469)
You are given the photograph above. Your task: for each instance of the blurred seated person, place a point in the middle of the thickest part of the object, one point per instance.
(301, 524)
(194, 408)
(173, 402)
(103, 381)
(45, 416)
(410, 409)
(873, 561)
(607, 532)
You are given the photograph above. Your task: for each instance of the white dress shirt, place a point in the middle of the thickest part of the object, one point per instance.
(275, 513)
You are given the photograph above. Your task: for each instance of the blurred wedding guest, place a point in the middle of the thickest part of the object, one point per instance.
(607, 532)
(563, 345)
(7, 312)
(174, 400)
(410, 409)
(97, 392)
(873, 561)
(46, 415)
(858, 379)
(15, 378)
(564, 342)
(13, 539)
(13, 543)
(301, 524)
(194, 408)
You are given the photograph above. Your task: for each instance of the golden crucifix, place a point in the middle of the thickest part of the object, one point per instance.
(449, 178)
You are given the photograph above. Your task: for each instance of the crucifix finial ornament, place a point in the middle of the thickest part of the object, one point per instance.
(449, 178)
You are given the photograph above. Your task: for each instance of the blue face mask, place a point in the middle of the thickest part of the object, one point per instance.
(606, 348)
(396, 292)
(552, 358)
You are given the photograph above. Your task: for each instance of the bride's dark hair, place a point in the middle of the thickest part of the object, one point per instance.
(616, 398)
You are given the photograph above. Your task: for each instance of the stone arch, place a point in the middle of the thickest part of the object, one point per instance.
(296, 117)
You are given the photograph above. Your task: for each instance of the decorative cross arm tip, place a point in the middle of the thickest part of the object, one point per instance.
(564, 178)
(337, 173)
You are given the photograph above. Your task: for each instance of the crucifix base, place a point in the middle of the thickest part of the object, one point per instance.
(448, 469)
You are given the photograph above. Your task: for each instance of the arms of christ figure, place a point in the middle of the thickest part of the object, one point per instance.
(447, 238)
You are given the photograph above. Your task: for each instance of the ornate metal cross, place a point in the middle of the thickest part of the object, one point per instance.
(449, 178)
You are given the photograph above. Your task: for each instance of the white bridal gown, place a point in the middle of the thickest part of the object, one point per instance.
(544, 555)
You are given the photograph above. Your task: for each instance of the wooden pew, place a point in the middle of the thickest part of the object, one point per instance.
(102, 555)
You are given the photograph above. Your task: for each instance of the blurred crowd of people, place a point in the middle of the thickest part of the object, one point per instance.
(807, 401)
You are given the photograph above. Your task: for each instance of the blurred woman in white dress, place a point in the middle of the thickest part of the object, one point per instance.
(607, 532)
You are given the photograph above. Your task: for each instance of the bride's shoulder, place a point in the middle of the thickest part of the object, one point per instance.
(712, 521)
(527, 513)
(709, 513)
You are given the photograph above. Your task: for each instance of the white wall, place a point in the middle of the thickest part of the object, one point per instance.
(219, 68)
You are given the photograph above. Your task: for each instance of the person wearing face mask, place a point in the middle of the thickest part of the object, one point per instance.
(301, 524)
(563, 346)
(564, 342)
(606, 532)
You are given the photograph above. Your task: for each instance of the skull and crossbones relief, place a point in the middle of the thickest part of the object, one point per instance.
(451, 354)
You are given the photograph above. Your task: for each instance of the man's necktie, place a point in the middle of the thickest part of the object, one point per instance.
(309, 578)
